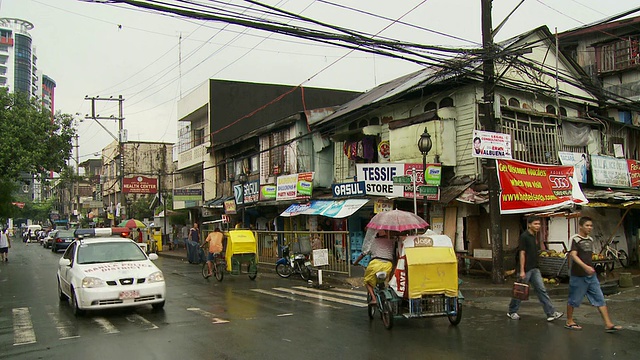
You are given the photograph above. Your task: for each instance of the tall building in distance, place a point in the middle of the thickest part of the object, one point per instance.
(48, 91)
(17, 65)
(19, 73)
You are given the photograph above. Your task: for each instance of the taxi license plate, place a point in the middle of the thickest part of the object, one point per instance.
(307, 263)
(129, 294)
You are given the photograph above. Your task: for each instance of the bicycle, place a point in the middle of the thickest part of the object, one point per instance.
(612, 253)
(219, 266)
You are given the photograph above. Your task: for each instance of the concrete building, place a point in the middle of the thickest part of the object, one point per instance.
(220, 124)
(144, 161)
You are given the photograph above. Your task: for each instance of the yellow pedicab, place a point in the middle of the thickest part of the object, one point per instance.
(425, 280)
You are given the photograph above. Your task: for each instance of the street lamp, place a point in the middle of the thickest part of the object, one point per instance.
(424, 145)
(242, 179)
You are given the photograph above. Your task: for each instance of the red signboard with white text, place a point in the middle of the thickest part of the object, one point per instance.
(634, 172)
(530, 187)
(139, 185)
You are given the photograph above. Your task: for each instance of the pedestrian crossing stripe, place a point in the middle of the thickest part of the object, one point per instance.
(322, 297)
(106, 325)
(65, 329)
(362, 292)
(137, 319)
(213, 317)
(23, 332)
(350, 296)
(293, 298)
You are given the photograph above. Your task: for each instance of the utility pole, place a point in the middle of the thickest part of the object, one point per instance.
(489, 124)
(121, 137)
(76, 185)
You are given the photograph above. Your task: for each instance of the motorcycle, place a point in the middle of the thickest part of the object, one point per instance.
(293, 264)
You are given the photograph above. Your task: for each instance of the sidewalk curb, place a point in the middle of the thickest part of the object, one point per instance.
(470, 292)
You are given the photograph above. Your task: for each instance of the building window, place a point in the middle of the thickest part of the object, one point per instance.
(198, 137)
(513, 102)
(430, 106)
(563, 111)
(550, 109)
(618, 55)
(374, 121)
(184, 138)
(446, 102)
(277, 154)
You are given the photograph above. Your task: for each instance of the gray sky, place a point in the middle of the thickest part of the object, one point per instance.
(96, 49)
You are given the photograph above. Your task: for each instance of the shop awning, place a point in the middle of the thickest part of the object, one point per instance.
(330, 208)
(217, 203)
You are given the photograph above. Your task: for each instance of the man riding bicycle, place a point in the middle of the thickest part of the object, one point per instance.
(382, 250)
(214, 240)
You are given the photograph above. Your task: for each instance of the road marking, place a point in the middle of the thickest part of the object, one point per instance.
(322, 297)
(138, 319)
(214, 319)
(106, 325)
(351, 291)
(287, 314)
(22, 327)
(330, 292)
(65, 328)
(293, 298)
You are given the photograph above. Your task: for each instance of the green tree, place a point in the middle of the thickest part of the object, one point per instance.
(31, 142)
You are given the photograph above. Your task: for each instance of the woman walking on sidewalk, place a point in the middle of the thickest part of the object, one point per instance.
(5, 244)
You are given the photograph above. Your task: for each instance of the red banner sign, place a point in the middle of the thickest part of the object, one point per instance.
(139, 185)
(530, 187)
(634, 172)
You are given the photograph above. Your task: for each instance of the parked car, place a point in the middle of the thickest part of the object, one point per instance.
(62, 240)
(101, 273)
(48, 240)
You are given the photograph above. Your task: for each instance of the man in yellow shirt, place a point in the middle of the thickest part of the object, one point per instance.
(214, 240)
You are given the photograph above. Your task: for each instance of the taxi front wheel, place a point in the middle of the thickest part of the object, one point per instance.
(158, 306)
(74, 304)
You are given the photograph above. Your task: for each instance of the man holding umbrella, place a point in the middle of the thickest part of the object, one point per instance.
(381, 247)
(382, 250)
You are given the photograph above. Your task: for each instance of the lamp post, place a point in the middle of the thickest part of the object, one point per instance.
(424, 145)
(242, 179)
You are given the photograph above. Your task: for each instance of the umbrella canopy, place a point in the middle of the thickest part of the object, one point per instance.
(132, 223)
(397, 220)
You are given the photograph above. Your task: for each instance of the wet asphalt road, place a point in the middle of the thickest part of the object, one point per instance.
(270, 318)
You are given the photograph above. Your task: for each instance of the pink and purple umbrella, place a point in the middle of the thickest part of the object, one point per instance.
(397, 220)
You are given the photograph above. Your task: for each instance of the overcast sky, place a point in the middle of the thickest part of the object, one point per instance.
(109, 50)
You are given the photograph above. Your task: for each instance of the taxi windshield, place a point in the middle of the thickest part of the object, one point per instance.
(96, 253)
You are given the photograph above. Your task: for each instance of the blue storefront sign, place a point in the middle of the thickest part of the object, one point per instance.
(355, 188)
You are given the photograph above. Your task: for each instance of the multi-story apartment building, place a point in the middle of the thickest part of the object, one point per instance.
(227, 131)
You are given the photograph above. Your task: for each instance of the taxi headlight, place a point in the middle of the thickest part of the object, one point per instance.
(92, 282)
(155, 277)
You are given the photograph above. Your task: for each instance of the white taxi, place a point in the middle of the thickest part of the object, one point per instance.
(109, 272)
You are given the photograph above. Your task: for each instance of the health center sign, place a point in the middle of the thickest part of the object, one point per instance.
(530, 187)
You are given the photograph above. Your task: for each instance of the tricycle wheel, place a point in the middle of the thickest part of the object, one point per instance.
(219, 271)
(455, 319)
(284, 270)
(387, 315)
(253, 271)
(371, 309)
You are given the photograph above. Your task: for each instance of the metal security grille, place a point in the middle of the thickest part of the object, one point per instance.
(534, 138)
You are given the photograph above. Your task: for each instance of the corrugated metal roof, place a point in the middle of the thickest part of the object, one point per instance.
(400, 86)
(459, 66)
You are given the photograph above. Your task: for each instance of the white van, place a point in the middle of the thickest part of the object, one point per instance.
(34, 232)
